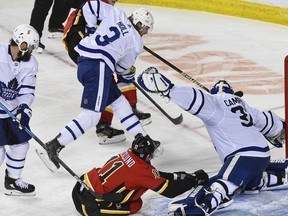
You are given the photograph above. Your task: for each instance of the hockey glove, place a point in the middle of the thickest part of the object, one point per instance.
(89, 31)
(23, 114)
(154, 82)
(279, 140)
(200, 177)
(127, 78)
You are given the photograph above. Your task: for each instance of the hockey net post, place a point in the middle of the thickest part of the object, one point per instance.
(286, 103)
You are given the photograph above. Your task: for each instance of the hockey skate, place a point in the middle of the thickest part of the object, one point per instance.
(145, 118)
(40, 48)
(108, 134)
(17, 187)
(54, 33)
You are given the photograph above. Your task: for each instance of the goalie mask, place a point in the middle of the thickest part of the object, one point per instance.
(143, 147)
(26, 34)
(222, 86)
(142, 20)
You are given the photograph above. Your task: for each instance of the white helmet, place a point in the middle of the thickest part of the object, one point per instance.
(144, 16)
(28, 34)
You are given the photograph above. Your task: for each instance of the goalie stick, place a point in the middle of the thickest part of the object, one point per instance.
(176, 121)
(107, 197)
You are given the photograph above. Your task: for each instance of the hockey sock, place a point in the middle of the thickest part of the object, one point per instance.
(123, 111)
(2, 154)
(78, 126)
(15, 159)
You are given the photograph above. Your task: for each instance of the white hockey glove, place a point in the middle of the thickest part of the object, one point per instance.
(154, 82)
(279, 140)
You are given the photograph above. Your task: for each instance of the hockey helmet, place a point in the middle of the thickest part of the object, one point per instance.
(26, 34)
(144, 17)
(222, 86)
(143, 146)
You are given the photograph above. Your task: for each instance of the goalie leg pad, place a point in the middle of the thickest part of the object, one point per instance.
(207, 200)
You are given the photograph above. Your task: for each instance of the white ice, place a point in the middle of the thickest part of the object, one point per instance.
(193, 41)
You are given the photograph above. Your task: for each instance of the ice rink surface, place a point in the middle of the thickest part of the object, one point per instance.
(249, 54)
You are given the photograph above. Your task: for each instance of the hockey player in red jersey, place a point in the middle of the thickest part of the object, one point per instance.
(74, 31)
(131, 174)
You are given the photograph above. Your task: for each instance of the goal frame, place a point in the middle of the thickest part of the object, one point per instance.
(286, 103)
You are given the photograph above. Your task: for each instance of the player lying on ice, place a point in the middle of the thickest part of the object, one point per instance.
(131, 174)
(236, 130)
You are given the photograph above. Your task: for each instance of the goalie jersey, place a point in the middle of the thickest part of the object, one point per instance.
(115, 40)
(234, 126)
(17, 81)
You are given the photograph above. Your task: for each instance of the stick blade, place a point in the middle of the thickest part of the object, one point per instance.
(45, 159)
(177, 120)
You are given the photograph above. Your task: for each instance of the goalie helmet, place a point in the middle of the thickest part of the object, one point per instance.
(144, 17)
(26, 34)
(222, 86)
(143, 146)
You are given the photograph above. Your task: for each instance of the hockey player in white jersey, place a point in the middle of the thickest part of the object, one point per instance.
(18, 70)
(236, 131)
(114, 46)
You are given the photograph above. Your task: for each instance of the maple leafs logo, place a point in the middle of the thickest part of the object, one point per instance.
(10, 91)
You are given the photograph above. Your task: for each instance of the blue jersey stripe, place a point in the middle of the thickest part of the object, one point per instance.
(202, 104)
(194, 100)
(86, 49)
(266, 122)
(90, 7)
(27, 86)
(3, 112)
(250, 148)
(272, 123)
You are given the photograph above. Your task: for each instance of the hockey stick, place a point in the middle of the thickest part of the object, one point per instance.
(176, 69)
(237, 93)
(175, 121)
(107, 197)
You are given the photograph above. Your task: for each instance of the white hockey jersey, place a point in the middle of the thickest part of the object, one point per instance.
(234, 127)
(115, 41)
(17, 81)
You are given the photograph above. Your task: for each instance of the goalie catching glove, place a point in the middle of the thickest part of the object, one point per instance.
(279, 140)
(154, 82)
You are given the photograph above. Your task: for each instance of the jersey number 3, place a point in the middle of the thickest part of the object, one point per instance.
(247, 119)
(105, 40)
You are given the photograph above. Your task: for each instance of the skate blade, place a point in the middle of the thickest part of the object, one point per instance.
(45, 159)
(40, 50)
(145, 122)
(55, 35)
(104, 140)
(18, 193)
